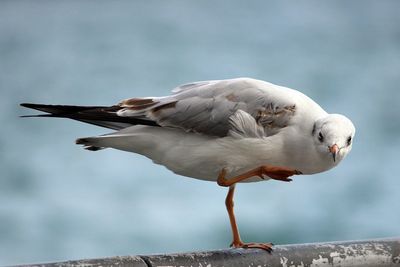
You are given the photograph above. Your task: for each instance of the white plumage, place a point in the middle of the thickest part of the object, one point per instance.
(236, 124)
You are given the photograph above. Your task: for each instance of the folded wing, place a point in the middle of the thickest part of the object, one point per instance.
(207, 107)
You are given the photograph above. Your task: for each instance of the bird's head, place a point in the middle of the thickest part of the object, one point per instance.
(333, 136)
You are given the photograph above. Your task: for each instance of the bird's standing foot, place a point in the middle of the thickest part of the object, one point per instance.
(263, 246)
(277, 173)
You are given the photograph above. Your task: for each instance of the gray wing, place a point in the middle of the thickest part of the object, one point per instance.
(243, 106)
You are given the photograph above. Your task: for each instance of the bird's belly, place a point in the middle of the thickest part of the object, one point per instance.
(206, 161)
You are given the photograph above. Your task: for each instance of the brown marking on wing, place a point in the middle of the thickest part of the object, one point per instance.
(272, 116)
(137, 103)
(232, 97)
(291, 108)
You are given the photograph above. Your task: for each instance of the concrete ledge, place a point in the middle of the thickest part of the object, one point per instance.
(377, 252)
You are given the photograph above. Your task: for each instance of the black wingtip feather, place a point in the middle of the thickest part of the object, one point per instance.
(28, 105)
(35, 106)
(38, 116)
(61, 109)
(96, 115)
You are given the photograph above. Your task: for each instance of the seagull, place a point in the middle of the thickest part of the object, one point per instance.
(224, 131)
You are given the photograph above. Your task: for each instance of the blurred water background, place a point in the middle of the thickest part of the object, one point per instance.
(60, 202)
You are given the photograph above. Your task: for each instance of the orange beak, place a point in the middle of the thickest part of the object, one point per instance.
(334, 149)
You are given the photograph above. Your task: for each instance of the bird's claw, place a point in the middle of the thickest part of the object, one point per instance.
(263, 246)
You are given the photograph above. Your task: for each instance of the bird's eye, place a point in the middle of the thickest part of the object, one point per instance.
(349, 140)
(320, 137)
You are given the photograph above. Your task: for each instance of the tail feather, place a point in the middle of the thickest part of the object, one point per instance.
(98, 115)
(88, 143)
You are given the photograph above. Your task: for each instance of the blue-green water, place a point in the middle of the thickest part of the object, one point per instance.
(59, 202)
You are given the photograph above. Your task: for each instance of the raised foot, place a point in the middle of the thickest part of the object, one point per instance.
(278, 173)
(273, 172)
(263, 246)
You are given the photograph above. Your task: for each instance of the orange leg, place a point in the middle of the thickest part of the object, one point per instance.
(277, 173)
(237, 242)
